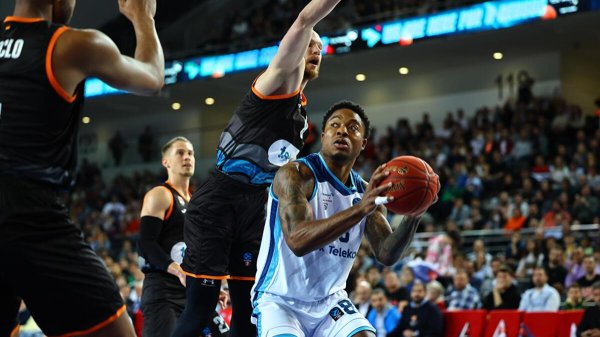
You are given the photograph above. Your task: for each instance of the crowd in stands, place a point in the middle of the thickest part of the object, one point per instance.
(267, 23)
(532, 163)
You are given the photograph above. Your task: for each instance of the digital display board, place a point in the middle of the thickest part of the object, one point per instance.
(479, 17)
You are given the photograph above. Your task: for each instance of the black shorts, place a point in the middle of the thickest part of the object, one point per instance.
(223, 228)
(163, 300)
(45, 262)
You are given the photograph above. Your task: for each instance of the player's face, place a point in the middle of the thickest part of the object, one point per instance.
(180, 159)
(343, 137)
(313, 57)
(62, 11)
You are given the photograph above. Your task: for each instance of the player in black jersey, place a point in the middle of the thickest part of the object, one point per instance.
(225, 217)
(43, 258)
(161, 244)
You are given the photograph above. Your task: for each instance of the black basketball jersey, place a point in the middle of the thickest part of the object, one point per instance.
(170, 239)
(38, 119)
(265, 133)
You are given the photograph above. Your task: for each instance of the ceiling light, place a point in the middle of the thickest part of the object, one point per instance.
(361, 77)
(403, 71)
(86, 120)
(498, 56)
(176, 106)
(209, 101)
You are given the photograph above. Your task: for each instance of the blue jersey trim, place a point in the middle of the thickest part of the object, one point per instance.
(273, 254)
(309, 165)
(256, 175)
(362, 328)
(324, 174)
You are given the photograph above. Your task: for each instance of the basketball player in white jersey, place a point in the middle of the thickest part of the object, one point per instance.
(318, 210)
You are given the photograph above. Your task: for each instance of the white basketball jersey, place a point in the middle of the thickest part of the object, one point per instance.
(324, 271)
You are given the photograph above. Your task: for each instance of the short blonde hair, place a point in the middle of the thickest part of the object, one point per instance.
(170, 143)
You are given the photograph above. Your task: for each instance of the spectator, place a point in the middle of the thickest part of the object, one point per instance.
(541, 297)
(574, 299)
(383, 316)
(460, 212)
(374, 277)
(407, 278)
(585, 205)
(589, 278)
(394, 291)
(532, 259)
(462, 295)
(505, 294)
(516, 221)
(574, 267)
(555, 269)
(420, 318)
(114, 209)
(590, 323)
(439, 253)
(490, 280)
(435, 294)
(146, 145)
(117, 146)
(479, 249)
(362, 297)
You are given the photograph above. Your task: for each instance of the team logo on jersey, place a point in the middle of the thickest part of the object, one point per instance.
(247, 259)
(178, 251)
(206, 332)
(336, 313)
(355, 201)
(282, 152)
(181, 201)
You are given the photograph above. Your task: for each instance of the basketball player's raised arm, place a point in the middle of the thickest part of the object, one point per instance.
(90, 53)
(156, 203)
(285, 72)
(389, 246)
(293, 185)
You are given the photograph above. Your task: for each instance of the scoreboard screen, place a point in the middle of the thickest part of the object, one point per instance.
(479, 17)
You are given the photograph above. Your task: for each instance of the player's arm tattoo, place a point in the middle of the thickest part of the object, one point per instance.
(303, 234)
(293, 205)
(389, 246)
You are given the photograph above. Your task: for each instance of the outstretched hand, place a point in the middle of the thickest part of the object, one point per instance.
(372, 197)
(132, 9)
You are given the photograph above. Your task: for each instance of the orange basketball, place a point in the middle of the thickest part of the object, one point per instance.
(414, 185)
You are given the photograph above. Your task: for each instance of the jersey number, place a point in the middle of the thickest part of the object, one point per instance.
(347, 306)
(220, 323)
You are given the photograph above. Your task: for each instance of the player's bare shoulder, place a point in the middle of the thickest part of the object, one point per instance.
(294, 175)
(158, 199)
(81, 46)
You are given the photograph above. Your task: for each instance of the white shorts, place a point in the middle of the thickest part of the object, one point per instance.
(334, 316)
